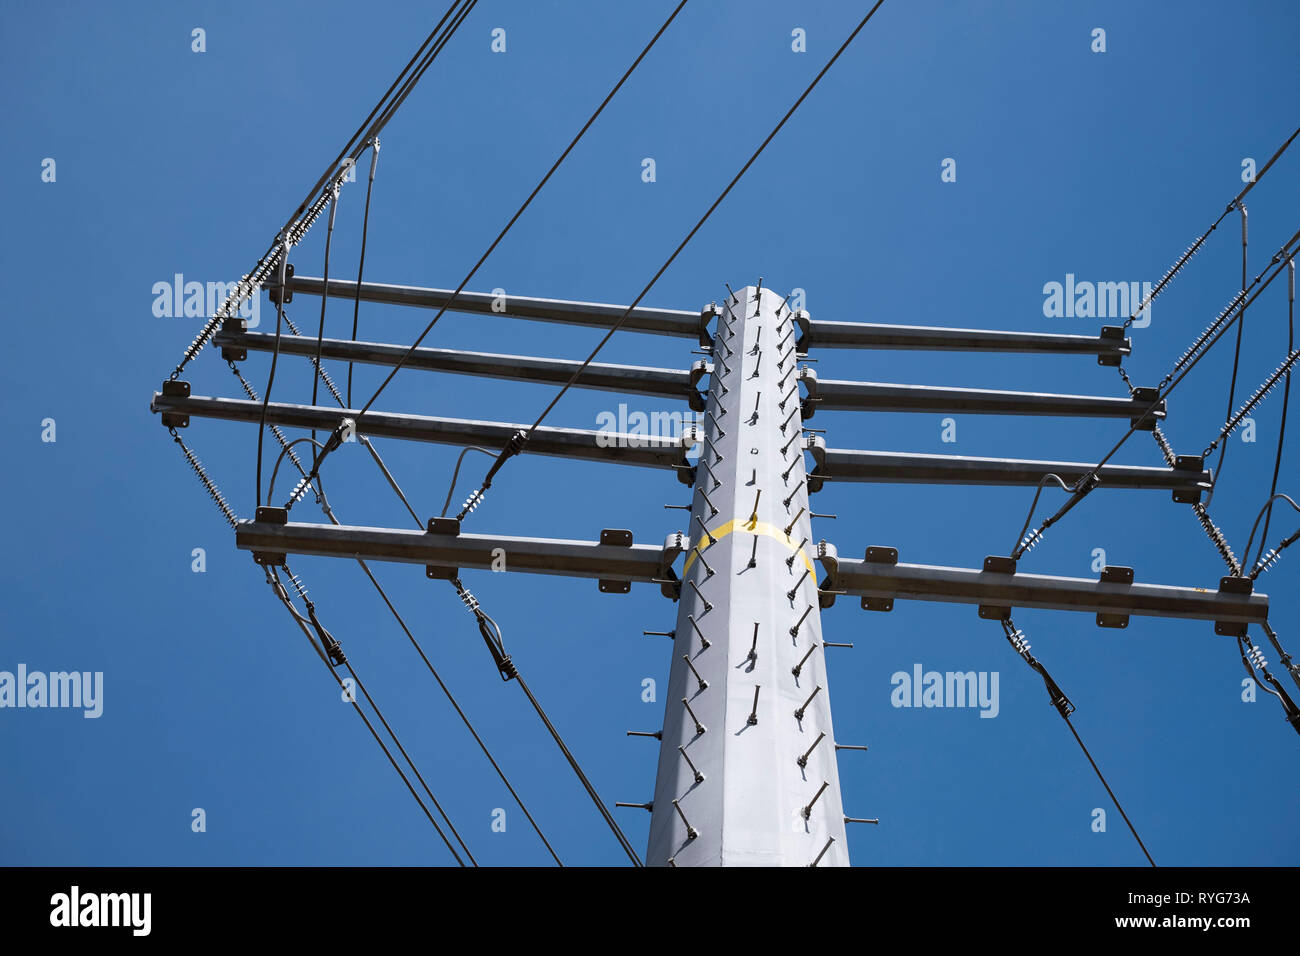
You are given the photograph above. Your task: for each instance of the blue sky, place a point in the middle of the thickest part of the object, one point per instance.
(1104, 165)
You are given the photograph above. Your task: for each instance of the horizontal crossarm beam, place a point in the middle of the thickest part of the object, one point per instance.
(1109, 347)
(635, 379)
(921, 582)
(833, 395)
(561, 442)
(834, 464)
(579, 559)
(597, 314)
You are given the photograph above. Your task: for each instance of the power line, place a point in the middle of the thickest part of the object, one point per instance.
(532, 699)
(300, 489)
(1114, 799)
(514, 448)
(491, 632)
(363, 440)
(419, 776)
(447, 691)
(1192, 357)
(1081, 488)
(415, 78)
(337, 656)
(1020, 644)
(1195, 246)
(320, 334)
(582, 777)
(1286, 401)
(1216, 536)
(361, 264)
(1259, 564)
(1253, 658)
(367, 132)
(270, 379)
(473, 604)
(527, 202)
(1026, 541)
(470, 601)
(278, 588)
(308, 210)
(1236, 359)
(329, 513)
(1260, 393)
(451, 488)
(333, 194)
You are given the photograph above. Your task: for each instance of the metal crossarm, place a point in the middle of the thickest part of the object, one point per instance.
(833, 395)
(604, 560)
(836, 464)
(689, 324)
(580, 443)
(595, 314)
(635, 379)
(1108, 347)
(881, 579)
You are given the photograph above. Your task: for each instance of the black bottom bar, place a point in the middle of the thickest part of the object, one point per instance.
(334, 906)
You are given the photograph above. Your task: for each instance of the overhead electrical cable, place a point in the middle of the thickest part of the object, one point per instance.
(329, 513)
(310, 208)
(1020, 644)
(514, 447)
(279, 590)
(527, 202)
(1286, 402)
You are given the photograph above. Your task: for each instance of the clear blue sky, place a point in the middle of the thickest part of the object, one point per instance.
(1104, 165)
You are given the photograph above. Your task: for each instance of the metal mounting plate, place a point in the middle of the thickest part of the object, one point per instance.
(272, 515)
(444, 526)
(1116, 574)
(998, 564)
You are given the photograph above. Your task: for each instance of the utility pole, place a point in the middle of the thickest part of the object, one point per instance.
(747, 772)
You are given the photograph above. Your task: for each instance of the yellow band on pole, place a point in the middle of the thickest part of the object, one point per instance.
(754, 528)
